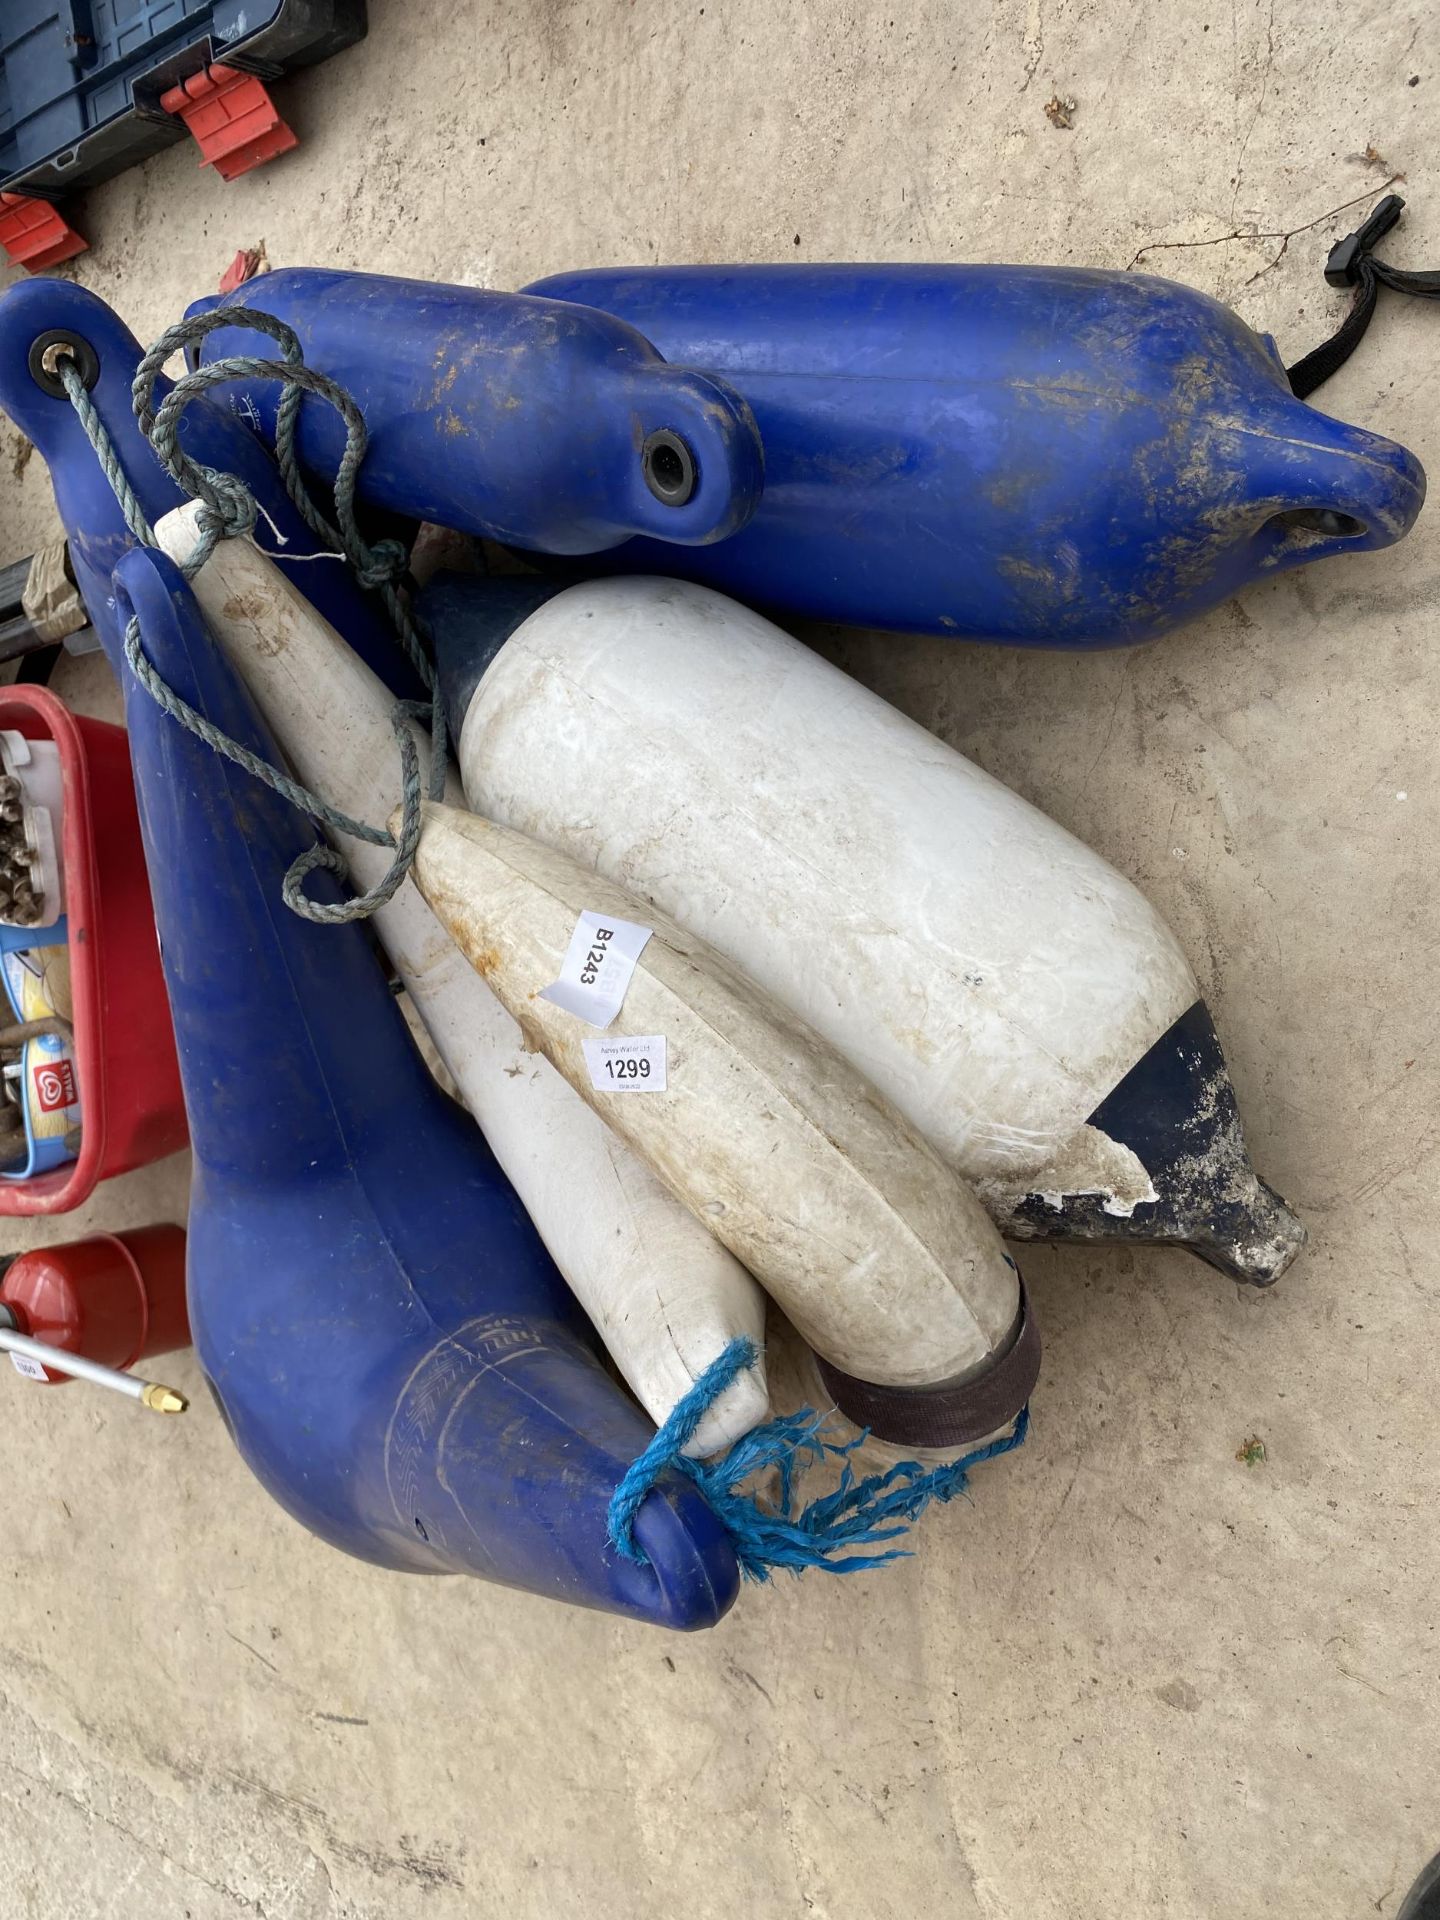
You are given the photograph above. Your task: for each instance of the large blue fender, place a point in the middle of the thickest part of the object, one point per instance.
(1045, 455)
(398, 1359)
(531, 421)
(36, 310)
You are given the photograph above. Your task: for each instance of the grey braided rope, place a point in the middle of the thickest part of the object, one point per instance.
(227, 511)
(99, 439)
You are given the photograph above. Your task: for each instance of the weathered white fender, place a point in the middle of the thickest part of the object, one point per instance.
(1015, 997)
(664, 1296)
(882, 1257)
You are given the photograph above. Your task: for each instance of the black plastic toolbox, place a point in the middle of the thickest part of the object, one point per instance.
(81, 80)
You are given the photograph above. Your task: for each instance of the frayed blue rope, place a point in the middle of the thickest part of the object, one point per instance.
(859, 1513)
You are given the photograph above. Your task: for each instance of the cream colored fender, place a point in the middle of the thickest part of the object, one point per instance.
(664, 1296)
(881, 1256)
(993, 977)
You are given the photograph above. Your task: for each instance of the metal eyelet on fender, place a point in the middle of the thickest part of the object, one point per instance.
(46, 352)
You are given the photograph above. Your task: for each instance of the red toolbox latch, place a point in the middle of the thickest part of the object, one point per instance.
(233, 119)
(35, 234)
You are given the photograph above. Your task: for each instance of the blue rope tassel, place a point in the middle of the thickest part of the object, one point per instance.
(859, 1513)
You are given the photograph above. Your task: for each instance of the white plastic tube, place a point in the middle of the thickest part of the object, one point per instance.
(664, 1296)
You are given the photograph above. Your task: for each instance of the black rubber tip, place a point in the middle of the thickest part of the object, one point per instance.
(1175, 1110)
(945, 1416)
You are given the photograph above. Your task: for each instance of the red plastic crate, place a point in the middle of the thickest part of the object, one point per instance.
(132, 1105)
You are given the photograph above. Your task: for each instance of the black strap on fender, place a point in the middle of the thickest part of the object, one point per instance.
(1352, 264)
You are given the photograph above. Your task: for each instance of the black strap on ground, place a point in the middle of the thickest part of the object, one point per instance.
(1353, 264)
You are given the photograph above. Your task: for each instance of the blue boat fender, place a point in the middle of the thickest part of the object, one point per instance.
(1051, 456)
(395, 1353)
(45, 316)
(531, 421)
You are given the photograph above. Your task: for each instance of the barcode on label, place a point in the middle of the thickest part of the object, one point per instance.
(31, 1369)
(597, 967)
(632, 1065)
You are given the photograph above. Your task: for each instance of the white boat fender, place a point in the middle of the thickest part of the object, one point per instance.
(664, 1296)
(1017, 999)
(882, 1257)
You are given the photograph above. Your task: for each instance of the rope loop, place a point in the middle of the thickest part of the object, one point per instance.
(229, 511)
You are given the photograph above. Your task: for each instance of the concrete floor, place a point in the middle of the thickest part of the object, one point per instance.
(1135, 1676)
